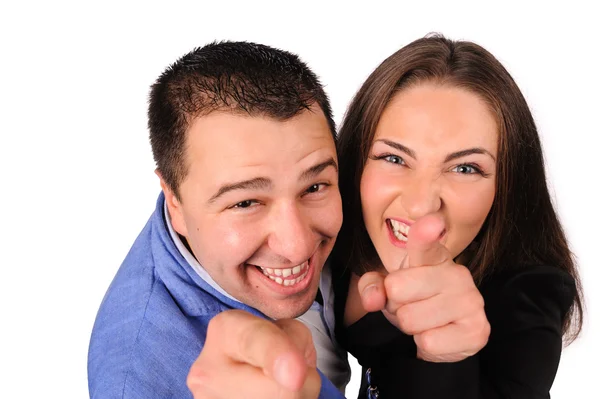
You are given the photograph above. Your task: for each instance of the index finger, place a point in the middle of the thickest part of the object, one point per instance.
(246, 338)
(423, 244)
(301, 336)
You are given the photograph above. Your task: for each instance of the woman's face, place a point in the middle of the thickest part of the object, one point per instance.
(434, 152)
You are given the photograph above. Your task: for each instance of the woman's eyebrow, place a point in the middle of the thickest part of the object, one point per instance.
(399, 147)
(464, 153)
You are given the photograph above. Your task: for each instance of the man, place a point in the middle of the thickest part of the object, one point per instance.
(243, 139)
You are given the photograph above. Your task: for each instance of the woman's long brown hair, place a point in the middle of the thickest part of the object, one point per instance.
(522, 228)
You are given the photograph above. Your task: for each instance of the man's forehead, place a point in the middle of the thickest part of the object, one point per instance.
(246, 138)
(291, 165)
(224, 148)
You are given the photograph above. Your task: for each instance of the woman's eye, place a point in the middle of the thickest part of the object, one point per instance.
(394, 159)
(466, 169)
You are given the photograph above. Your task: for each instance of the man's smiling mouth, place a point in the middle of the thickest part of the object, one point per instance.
(288, 276)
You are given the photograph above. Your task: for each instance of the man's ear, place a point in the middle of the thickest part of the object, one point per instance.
(174, 207)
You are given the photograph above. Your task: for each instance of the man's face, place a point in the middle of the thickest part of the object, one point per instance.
(260, 206)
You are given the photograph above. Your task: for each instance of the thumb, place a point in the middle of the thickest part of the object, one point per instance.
(372, 291)
(423, 245)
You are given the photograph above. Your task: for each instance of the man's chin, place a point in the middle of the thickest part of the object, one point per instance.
(287, 310)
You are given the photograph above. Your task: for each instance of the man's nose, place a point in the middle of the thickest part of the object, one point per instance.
(291, 234)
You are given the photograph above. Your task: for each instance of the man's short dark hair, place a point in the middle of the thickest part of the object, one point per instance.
(237, 77)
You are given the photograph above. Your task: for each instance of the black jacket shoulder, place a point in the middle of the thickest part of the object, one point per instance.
(526, 308)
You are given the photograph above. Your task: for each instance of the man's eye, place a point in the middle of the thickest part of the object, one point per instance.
(317, 187)
(244, 204)
(314, 188)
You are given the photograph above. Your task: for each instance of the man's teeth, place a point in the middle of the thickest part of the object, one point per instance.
(400, 230)
(298, 273)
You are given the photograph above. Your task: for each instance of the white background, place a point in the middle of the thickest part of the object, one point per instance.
(77, 172)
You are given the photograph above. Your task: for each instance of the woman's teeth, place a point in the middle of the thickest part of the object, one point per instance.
(281, 276)
(399, 229)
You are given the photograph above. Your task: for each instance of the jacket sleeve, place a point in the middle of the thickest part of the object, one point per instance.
(328, 390)
(526, 314)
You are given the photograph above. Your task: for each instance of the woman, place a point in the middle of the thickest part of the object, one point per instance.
(441, 130)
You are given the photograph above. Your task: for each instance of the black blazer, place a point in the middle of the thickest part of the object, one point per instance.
(525, 308)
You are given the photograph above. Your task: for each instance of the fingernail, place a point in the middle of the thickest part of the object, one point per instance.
(369, 289)
(283, 371)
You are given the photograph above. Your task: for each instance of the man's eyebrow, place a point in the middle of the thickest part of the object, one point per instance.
(318, 168)
(399, 147)
(257, 183)
(464, 153)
